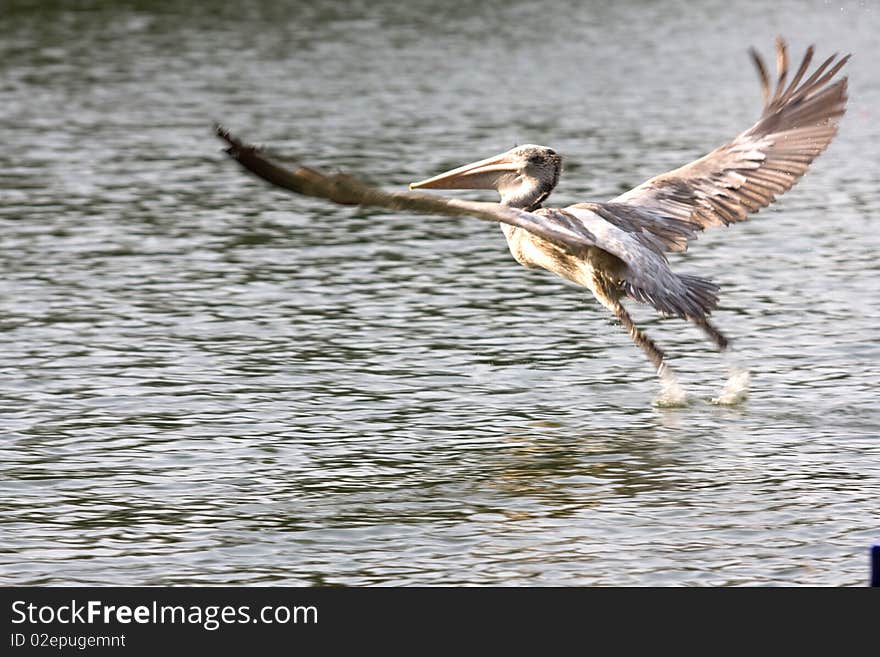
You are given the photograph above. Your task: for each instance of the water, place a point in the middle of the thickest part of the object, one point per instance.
(207, 381)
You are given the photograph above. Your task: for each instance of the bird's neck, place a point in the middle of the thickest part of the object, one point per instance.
(526, 194)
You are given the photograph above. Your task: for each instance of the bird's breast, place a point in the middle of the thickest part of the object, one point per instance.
(531, 251)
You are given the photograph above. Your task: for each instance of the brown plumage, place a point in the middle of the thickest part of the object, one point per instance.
(617, 248)
(749, 172)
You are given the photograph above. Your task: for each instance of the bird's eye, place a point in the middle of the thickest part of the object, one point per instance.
(550, 151)
(535, 159)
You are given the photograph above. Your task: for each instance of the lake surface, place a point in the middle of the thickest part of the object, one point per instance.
(207, 381)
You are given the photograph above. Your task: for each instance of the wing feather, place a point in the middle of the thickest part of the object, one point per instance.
(571, 236)
(798, 122)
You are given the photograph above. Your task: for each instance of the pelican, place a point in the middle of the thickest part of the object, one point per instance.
(617, 248)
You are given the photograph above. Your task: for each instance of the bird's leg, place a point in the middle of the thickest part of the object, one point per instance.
(608, 294)
(737, 386)
(714, 334)
(646, 344)
(672, 394)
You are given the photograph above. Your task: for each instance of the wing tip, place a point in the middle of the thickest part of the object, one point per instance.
(224, 134)
(236, 147)
(762, 74)
(781, 44)
(798, 91)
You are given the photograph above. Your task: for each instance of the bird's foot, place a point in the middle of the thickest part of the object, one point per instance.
(672, 395)
(736, 389)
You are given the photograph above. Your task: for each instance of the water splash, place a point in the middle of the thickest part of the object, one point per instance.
(736, 389)
(672, 395)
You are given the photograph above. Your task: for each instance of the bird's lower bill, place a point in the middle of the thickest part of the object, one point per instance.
(483, 174)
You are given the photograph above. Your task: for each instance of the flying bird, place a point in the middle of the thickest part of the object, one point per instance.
(617, 248)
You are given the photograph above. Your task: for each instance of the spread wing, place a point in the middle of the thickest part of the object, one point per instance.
(557, 228)
(798, 122)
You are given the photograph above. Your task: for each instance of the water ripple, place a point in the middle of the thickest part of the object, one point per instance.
(205, 381)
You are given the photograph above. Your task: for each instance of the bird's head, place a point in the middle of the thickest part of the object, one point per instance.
(524, 176)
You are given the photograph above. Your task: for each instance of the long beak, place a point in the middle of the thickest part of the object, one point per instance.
(476, 175)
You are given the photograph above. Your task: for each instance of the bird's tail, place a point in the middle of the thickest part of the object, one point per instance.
(702, 295)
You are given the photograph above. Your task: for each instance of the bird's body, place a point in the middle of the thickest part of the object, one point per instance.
(534, 253)
(617, 249)
(596, 269)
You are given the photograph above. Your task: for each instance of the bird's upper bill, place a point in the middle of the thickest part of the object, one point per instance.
(483, 174)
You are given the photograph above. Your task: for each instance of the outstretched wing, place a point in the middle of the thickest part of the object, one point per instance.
(798, 122)
(558, 229)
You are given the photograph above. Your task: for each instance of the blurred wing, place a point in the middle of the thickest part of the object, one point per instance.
(797, 124)
(558, 229)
